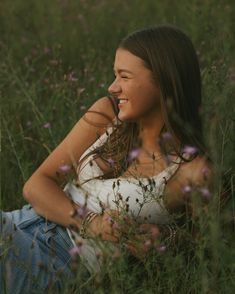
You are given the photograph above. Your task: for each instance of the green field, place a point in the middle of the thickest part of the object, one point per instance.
(57, 58)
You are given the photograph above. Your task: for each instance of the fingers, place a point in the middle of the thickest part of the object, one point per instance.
(110, 230)
(139, 249)
(149, 229)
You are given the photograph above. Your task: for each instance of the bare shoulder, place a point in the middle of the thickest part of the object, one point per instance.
(84, 133)
(103, 104)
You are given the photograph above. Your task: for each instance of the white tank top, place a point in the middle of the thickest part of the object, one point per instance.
(143, 197)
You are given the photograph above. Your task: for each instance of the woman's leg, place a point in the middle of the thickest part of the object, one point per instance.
(34, 253)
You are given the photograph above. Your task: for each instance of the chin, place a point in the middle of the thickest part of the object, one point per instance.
(126, 118)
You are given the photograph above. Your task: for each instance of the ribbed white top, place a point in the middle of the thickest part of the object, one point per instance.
(142, 196)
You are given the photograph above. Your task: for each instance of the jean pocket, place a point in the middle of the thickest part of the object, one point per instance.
(25, 217)
(58, 244)
(37, 227)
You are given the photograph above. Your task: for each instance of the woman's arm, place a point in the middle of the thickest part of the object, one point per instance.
(186, 196)
(42, 190)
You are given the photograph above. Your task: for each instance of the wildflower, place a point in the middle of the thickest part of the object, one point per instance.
(166, 136)
(65, 168)
(111, 161)
(205, 172)
(76, 250)
(71, 77)
(190, 150)
(205, 193)
(187, 189)
(147, 245)
(81, 212)
(161, 248)
(133, 154)
(82, 107)
(109, 219)
(47, 125)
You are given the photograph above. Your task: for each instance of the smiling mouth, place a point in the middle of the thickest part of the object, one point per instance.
(122, 101)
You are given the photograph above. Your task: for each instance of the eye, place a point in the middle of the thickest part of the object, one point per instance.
(124, 77)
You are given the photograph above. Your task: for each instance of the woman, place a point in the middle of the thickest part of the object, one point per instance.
(134, 154)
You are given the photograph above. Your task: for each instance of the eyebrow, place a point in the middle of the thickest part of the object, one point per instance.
(123, 70)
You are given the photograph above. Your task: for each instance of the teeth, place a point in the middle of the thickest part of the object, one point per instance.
(123, 101)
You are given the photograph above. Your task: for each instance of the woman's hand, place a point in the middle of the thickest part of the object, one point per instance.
(112, 226)
(146, 237)
(106, 226)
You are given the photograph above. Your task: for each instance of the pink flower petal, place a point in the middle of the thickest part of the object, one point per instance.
(133, 154)
(75, 251)
(166, 136)
(47, 125)
(111, 161)
(205, 193)
(190, 150)
(65, 168)
(205, 171)
(161, 248)
(187, 189)
(81, 212)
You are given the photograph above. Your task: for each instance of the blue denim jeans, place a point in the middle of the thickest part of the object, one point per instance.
(34, 253)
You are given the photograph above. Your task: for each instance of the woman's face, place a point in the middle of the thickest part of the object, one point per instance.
(138, 95)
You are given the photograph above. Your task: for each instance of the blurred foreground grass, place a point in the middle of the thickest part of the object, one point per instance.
(57, 58)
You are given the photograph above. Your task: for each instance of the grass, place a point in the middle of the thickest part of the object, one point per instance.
(56, 59)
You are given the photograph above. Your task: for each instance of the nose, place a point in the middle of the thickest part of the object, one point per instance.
(114, 88)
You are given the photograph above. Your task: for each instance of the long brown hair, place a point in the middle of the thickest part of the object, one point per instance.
(170, 55)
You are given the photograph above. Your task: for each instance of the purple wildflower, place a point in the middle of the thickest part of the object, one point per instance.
(75, 251)
(81, 212)
(109, 219)
(47, 125)
(190, 150)
(205, 193)
(161, 248)
(187, 189)
(166, 136)
(65, 168)
(133, 154)
(111, 161)
(205, 171)
(71, 77)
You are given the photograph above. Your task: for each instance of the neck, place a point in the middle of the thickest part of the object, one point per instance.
(149, 133)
